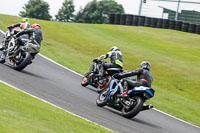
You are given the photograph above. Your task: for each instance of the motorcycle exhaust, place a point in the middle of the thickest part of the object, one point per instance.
(147, 107)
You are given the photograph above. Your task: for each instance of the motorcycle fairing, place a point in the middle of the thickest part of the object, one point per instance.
(141, 89)
(113, 87)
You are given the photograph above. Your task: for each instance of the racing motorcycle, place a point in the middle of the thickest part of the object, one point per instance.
(92, 78)
(7, 37)
(17, 56)
(129, 105)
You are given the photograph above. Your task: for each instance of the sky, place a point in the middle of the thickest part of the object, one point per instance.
(151, 8)
(13, 7)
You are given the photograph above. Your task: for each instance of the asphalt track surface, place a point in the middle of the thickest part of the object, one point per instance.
(61, 87)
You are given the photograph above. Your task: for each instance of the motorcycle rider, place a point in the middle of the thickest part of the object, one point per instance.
(23, 25)
(116, 60)
(33, 43)
(144, 78)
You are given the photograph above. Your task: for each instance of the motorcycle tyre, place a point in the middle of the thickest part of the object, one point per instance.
(24, 63)
(138, 107)
(84, 84)
(99, 102)
(101, 88)
(98, 90)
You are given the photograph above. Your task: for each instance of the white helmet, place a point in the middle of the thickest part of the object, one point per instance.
(145, 65)
(114, 48)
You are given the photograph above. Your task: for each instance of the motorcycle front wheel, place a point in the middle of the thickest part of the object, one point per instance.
(102, 98)
(134, 109)
(23, 62)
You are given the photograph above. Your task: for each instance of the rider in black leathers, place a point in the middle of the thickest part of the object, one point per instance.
(35, 34)
(144, 78)
(34, 39)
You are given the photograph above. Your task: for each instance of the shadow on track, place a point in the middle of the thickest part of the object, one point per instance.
(133, 119)
(92, 89)
(24, 72)
(32, 74)
(145, 123)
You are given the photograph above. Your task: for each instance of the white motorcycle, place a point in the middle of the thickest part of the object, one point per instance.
(18, 56)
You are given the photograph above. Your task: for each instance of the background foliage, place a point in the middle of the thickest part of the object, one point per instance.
(65, 13)
(38, 9)
(98, 11)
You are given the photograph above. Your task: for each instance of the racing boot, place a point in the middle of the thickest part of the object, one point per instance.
(2, 46)
(125, 90)
(2, 57)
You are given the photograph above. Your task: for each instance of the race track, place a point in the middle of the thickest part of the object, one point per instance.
(61, 87)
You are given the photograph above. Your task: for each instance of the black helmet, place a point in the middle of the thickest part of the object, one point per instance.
(114, 48)
(145, 65)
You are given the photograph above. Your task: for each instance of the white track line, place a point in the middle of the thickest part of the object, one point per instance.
(2, 31)
(81, 76)
(59, 64)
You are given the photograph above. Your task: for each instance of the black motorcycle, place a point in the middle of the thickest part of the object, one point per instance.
(92, 78)
(15, 55)
(129, 105)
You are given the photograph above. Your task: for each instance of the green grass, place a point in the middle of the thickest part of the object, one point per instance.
(21, 113)
(174, 56)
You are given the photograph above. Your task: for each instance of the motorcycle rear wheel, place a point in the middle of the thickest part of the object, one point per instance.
(135, 109)
(84, 81)
(102, 87)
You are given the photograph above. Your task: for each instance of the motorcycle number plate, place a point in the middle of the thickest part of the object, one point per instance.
(141, 88)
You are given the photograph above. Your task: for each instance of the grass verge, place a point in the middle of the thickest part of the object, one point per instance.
(20, 113)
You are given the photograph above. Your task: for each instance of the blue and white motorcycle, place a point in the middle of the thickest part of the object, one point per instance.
(129, 106)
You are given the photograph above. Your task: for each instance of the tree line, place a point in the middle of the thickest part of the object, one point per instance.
(94, 12)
